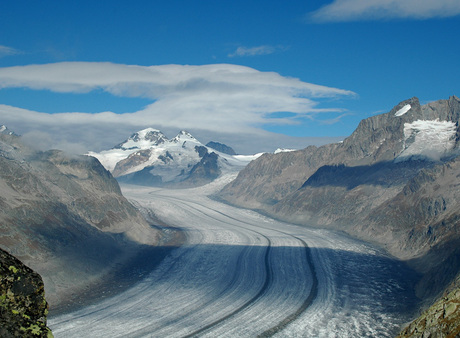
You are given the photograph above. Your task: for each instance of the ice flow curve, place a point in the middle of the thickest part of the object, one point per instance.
(240, 273)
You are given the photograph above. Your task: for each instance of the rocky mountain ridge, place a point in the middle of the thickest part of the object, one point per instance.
(394, 182)
(223, 148)
(65, 217)
(148, 157)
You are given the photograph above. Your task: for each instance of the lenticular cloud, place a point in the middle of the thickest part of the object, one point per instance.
(155, 81)
(206, 97)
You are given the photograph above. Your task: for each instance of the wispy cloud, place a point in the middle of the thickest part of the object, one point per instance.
(258, 50)
(358, 10)
(334, 120)
(229, 98)
(6, 51)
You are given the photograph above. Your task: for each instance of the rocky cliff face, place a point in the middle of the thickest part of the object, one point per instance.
(64, 216)
(223, 148)
(394, 181)
(23, 308)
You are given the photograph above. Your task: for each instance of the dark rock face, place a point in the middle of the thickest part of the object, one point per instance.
(201, 151)
(204, 171)
(64, 216)
(23, 308)
(223, 148)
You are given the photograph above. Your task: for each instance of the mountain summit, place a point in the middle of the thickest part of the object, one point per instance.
(5, 130)
(148, 157)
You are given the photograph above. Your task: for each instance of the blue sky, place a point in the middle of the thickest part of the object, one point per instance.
(366, 58)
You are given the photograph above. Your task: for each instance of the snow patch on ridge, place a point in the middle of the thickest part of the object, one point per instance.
(403, 110)
(283, 150)
(428, 140)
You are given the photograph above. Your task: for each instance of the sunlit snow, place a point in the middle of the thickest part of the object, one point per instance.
(283, 150)
(403, 110)
(170, 157)
(428, 139)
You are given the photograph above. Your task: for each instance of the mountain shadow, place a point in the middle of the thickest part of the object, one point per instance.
(384, 174)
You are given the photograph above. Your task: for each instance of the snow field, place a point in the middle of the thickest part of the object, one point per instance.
(428, 139)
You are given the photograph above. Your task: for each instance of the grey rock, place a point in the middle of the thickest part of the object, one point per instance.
(64, 216)
(223, 148)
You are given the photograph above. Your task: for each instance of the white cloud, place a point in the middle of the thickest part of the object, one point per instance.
(253, 51)
(5, 51)
(334, 120)
(355, 10)
(227, 98)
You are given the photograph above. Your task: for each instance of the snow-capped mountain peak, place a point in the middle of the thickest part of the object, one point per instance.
(143, 139)
(149, 156)
(4, 130)
(184, 136)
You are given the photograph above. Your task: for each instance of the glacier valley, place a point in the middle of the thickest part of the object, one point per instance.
(240, 273)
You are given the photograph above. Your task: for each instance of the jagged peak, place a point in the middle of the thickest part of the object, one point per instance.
(149, 134)
(4, 130)
(404, 106)
(183, 135)
(143, 139)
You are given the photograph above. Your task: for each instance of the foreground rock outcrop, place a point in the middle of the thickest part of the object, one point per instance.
(23, 308)
(441, 320)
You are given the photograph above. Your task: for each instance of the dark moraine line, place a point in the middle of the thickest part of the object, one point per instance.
(268, 277)
(308, 301)
(268, 281)
(292, 317)
(231, 284)
(311, 297)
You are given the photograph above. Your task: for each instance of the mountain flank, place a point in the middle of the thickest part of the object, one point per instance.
(65, 217)
(223, 148)
(394, 182)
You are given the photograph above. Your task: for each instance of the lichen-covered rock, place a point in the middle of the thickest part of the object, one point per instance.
(441, 320)
(23, 308)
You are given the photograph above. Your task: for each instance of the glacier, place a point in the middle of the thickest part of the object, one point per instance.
(240, 273)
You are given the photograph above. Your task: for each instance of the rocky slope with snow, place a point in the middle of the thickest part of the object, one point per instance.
(394, 181)
(65, 217)
(148, 157)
